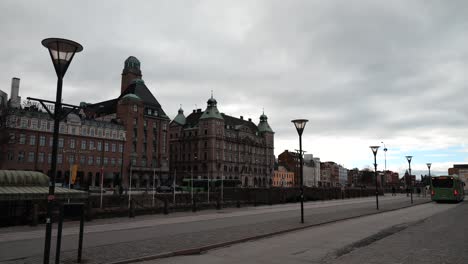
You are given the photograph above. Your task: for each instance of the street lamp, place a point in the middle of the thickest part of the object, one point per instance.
(385, 168)
(374, 150)
(300, 125)
(61, 52)
(411, 180)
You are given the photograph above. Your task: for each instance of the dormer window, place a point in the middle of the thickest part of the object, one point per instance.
(135, 108)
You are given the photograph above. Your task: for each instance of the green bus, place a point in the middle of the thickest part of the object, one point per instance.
(201, 185)
(447, 188)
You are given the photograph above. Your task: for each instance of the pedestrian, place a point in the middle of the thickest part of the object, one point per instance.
(393, 191)
(419, 191)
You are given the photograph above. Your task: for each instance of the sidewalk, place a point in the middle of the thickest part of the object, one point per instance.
(152, 235)
(321, 244)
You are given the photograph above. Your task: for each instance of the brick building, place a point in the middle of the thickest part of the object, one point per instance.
(330, 174)
(113, 138)
(212, 145)
(462, 171)
(145, 122)
(290, 160)
(283, 178)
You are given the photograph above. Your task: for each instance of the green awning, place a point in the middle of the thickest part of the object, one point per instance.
(11, 193)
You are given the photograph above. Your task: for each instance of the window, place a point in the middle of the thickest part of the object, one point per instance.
(72, 143)
(11, 156)
(59, 158)
(32, 140)
(135, 121)
(120, 148)
(91, 132)
(90, 160)
(106, 146)
(98, 160)
(21, 156)
(42, 141)
(60, 143)
(71, 159)
(35, 124)
(24, 123)
(82, 159)
(83, 144)
(113, 147)
(31, 157)
(43, 125)
(143, 162)
(107, 133)
(99, 132)
(135, 108)
(22, 139)
(99, 145)
(113, 161)
(51, 141)
(84, 131)
(40, 157)
(11, 138)
(62, 128)
(106, 160)
(91, 145)
(49, 158)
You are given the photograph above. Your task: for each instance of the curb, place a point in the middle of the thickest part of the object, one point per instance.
(199, 250)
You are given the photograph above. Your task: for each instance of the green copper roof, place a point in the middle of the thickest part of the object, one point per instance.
(180, 118)
(211, 110)
(263, 126)
(132, 62)
(131, 96)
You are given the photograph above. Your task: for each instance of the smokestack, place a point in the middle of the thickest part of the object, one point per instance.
(15, 99)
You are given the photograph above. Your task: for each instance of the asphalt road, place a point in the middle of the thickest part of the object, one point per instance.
(123, 238)
(428, 233)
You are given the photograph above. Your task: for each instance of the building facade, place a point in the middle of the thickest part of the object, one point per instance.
(210, 144)
(462, 171)
(96, 147)
(290, 160)
(119, 138)
(146, 126)
(283, 178)
(311, 170)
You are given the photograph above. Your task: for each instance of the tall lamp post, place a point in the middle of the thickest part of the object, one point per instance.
(410, 177)
(61, 52)
(429, 167)
(300, 125)
(374, 151)
(384, 181)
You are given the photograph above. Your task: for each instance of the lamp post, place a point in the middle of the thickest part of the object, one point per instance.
(300, 125)
(374, 151)
(429, 167)
(385, 168)
(411, 180)
(61, 52)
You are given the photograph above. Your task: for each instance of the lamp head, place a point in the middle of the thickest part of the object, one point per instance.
(429, 165)
(374, 149)
(61, 52)
(300, 125)
(409, 158)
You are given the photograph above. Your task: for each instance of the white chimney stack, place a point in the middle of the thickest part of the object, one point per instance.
(15, 99)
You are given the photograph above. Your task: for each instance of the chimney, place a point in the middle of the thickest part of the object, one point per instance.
(199, 110)
(15, 99)
(194, 111)
(250, 119)
(242, 118)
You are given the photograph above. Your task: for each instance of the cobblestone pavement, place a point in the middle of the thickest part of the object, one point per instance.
(116, 245)
(440, 239)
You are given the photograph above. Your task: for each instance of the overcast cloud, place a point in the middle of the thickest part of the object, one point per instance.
(362, 72)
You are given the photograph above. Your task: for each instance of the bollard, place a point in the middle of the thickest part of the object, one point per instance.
(80, 238)
(59, 235)
(35, 209)
(131, 212)
(194, 205)
(165, 207)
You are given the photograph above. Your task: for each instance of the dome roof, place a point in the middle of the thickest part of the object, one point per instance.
(132, 62)
(131, 97)
(212, 101)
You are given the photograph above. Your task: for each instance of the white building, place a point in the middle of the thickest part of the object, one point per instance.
(311, 170)
(342, 175)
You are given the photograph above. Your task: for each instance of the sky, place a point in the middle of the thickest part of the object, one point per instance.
(362, 72)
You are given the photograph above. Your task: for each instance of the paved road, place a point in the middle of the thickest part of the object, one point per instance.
(406, 231)
(123, 238)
